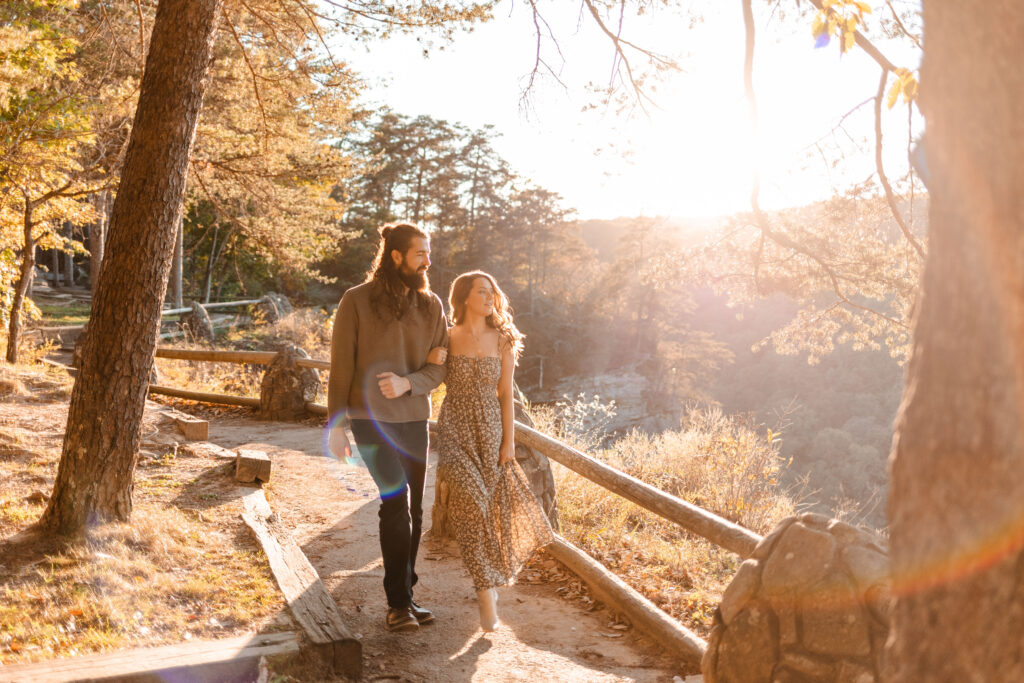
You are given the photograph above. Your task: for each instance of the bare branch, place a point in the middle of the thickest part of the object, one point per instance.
(889, 196)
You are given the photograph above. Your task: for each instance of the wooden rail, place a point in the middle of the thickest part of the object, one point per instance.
(205, 397)
(216, 304)
(718, 530)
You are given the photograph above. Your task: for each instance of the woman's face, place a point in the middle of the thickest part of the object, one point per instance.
(481, 298)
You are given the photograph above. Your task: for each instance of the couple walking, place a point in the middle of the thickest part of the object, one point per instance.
(391, 347)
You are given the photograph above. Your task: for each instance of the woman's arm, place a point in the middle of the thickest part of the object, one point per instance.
(506, 400)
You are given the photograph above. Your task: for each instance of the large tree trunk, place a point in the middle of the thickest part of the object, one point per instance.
(21, 289)
(957, 504)
(94, 479)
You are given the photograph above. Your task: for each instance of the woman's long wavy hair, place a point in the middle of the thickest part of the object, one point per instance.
(395, 236)
(501, 315)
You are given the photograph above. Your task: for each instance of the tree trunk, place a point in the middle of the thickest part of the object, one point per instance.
(209, 265)
(96, 240)
(55, 267)
(956, 508)
(69, 256)
(176, 266)
(94, 479)
(21, 290)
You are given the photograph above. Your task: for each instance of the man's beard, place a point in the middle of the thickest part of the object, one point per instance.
(415, 280)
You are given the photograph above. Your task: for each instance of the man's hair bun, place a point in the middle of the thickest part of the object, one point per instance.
(385, 230)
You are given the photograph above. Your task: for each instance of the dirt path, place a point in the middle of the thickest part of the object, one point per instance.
(332, 509)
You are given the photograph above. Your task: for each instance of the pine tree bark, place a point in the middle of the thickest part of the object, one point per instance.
(956, 507)
(94, 479)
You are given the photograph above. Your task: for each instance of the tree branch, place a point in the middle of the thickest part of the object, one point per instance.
(890, 198)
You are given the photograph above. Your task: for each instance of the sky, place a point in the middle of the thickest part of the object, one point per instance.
(689, 155)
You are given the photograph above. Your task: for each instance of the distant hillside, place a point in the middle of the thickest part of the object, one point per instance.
(603, 236)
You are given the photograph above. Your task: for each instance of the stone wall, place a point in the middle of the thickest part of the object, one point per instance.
(810, 604)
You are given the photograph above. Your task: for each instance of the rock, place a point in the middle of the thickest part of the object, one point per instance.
(197, 323)
(833, 621)
(801, 558)
(272, 307)
(852, 672)
(537, 468)
(879, 602)
(286, 387)
(867, 566)
(743, 587)
(764, 548)
(789, 633)
(815, 668)
(747, 651)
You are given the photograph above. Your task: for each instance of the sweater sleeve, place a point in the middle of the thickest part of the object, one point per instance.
(343, 356)
(430, 376)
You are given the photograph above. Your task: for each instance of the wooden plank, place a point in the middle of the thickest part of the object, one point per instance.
(254, 357)
(718, 530)
(204, 397)
(192, 428)
(252, 465)
(310, 603)
(230, 659)
(621, 597)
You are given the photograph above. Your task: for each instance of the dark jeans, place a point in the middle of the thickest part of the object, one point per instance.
(396, 455)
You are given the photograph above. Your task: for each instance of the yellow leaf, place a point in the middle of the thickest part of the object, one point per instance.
(894, 94)
(849, 39)
(863, 6)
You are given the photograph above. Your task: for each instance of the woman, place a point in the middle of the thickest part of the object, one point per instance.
(495, 518)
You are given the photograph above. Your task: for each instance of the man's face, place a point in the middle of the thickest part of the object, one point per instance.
(412, 266)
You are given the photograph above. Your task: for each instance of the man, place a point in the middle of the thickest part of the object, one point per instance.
(380, 380)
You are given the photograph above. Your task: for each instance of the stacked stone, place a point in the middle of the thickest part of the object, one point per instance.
(810, 604)
(537, 468)
(286, 387)
(198, 323)
(272, 307)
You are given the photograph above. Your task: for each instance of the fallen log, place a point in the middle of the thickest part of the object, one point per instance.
(230, 659)
(310, 603)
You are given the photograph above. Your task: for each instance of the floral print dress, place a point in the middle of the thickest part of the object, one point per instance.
(495, 518)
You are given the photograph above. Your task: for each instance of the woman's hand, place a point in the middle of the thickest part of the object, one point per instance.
(507, 454)
(438, 355)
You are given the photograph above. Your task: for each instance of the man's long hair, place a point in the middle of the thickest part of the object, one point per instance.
(501, 315)
(390, 285)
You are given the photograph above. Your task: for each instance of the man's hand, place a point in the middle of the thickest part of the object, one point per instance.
(391, 385)
(337, 443)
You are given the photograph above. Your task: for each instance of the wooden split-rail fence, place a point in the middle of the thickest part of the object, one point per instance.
(606, 586)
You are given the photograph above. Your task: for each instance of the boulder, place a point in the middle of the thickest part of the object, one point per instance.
(811, 604)
(286, 387)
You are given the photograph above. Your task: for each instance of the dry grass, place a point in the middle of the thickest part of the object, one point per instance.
(184, 568)
(718, 463)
